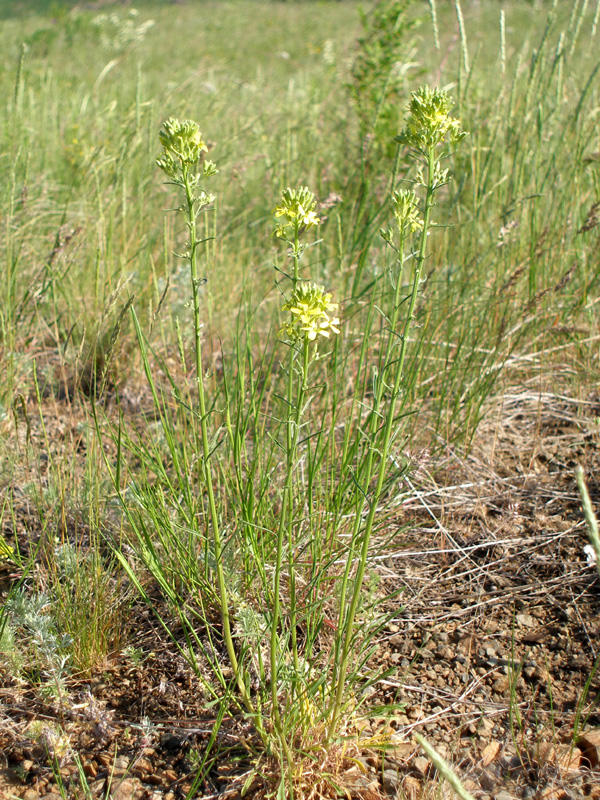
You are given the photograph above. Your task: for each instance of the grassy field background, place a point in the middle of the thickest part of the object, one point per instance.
(104, 500)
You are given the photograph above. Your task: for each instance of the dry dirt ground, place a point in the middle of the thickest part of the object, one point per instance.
(494, 642)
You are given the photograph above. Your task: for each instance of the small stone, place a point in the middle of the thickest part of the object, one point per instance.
(422, 765)
(90, 769)
(399, 752)
(97, 787)
(128, 789)
(51, 796)
(119, 767)
(589, 744)
(491, 649)
(168, 776)
(142, 767)
(411, 786)
(489, 753)
(487, 781)
(31, 794)
(391, 781)
(504, 796)
(487, 725)
(525, 620)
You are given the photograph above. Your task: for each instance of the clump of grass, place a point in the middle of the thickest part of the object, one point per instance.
(258, 485)
(307, 560)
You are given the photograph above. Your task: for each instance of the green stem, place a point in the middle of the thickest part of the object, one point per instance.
(214, 517)
(286, 520)
(348, 620)
(368, 468)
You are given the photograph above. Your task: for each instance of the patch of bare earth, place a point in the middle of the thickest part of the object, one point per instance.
(492, 644)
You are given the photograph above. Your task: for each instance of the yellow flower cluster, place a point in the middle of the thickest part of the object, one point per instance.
(310, 306)
(183, 147)
(429, 121)
(298, 209)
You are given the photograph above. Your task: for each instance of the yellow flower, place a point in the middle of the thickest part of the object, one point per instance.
(309, 306)
(182, 144)
(429, 121)
(298, 208)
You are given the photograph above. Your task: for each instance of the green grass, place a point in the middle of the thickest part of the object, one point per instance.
(97, 306)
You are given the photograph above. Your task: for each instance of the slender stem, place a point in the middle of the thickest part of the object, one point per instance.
(368, 468)
(286, 519)
(348, 620)
(214, 517)
(296, 255)
(286, 523)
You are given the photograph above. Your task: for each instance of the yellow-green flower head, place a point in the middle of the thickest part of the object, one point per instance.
(406, 210)
(298, 209)
(429, 122)
(182, 144)
(310, 306)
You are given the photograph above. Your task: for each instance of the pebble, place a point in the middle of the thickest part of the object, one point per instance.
(90, 769)
(142, 767)
(97, 787)
(391, 781)
(501, 685)
(128, 789)
(168, 776)
(412, 787)
(119, 767)
(422, 764)
(526, 620)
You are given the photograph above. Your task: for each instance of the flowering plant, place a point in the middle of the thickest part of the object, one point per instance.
(298, 209)
(309, 306)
